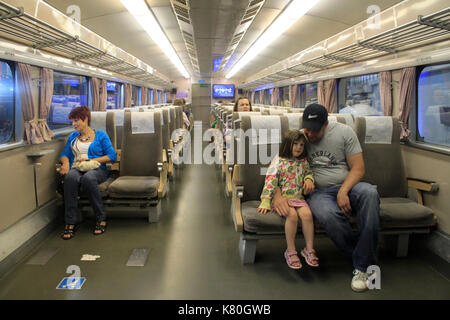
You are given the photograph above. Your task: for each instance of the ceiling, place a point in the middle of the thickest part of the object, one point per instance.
(214, 23)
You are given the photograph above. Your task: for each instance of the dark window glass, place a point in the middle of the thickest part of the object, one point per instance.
(7, 120)
(433, 112)
(307, 94)
(360, 96)
(69, 91)
(113, 90)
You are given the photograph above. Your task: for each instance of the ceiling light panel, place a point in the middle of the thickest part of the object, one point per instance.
(249, 15)
(142, 13)
(181, 9)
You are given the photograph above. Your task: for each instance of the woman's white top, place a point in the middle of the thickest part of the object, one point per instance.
(81, 149)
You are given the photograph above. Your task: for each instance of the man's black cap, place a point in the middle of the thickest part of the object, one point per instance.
(314, 117)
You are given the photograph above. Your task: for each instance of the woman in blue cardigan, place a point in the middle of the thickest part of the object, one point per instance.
(85, 144)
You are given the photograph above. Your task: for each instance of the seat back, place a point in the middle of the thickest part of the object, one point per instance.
(345, 118)
(256, 150)
(165, 111)
(142, 144)
(118, 120)
(101, 120)
(380, 141)
(294, 120)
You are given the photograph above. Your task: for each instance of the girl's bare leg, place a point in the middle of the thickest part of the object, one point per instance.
(306, 217)
(290, 229)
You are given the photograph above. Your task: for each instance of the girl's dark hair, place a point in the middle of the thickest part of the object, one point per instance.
(82, 113)
(236, 104)
(288, 142)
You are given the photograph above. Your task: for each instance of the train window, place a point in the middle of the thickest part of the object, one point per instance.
(257, 100)
(165, 97)
(360, 96)
(307, 94)
(113, 90)
(69, 91)
(433, 105)
(7, 118)
(267, 96)
(283, 96)
(158, 92)
(136, 96)
(150, 96)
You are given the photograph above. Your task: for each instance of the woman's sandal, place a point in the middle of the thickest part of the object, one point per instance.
(100, 228)
(310, 257)
(291, 260)
(69, 231)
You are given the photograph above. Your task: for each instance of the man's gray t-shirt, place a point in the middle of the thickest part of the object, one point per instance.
(327, 157)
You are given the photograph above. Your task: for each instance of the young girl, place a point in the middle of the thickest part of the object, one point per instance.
(290, 171)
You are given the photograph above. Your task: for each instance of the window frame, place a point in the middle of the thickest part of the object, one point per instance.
(18, 137)
(413, 119)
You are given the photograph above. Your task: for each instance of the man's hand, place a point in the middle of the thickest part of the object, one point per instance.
(308, 186)
(280, 204)
(343, 202)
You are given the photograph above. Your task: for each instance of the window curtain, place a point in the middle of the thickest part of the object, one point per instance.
(127, 98)
(32, 131)
(406, 96)
(293, 95)
(155, 96)
(95, 88)
(45, 103)
(385, 79)
(275, 94)
(321, 93)
(253, 97)
(330, 95)
(103, 95)
(144, 96)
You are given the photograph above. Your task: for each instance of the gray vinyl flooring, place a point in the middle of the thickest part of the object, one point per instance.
(193, 254)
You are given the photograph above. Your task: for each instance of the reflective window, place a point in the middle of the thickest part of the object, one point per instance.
(113, 90)
(158, 92)
(165, 97)
(283, 99)
(360, 96)
(257, 95)
(433, 112)
(6, 103)
(307, 94)
(150, 96)
(136, 96)
(268, 96)
(69, 91)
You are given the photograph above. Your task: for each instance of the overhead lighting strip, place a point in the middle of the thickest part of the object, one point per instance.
(141, 12)
(291, 13)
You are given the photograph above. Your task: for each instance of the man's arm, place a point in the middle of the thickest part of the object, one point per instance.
(357, 171)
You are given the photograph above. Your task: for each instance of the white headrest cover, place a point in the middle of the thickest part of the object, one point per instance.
(98, 120)
(142, 122)
(266, 129)
(294, 120)
(378, 130)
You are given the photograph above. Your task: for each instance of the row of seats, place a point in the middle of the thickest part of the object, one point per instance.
(145, 138)
(379, 138)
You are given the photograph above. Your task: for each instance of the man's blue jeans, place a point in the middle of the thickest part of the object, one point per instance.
(362, 245)
(89, 183)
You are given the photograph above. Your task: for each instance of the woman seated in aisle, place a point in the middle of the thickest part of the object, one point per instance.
(83, 163)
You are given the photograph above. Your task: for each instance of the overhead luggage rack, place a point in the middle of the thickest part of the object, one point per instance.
(424, 30)
(19, 26)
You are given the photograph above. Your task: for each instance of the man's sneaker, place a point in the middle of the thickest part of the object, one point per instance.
(359, 281)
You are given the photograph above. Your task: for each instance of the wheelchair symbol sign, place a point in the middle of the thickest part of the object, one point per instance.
(71, 283)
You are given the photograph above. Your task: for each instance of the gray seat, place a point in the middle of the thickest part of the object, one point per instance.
(142, 175)
(380, 142)
(101, 120)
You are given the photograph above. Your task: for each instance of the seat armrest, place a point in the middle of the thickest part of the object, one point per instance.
(162, 189)
(164, 156)
(160, 167)
(58, 167)
(422, 185)
(238, 192)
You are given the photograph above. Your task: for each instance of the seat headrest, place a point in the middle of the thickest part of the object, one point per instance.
(379, 130)
(142, 122)
(118, 116)
(294, 120)
(267, 129)
(98, 120)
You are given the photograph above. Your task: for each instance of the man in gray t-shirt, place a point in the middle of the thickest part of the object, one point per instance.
(336, 159)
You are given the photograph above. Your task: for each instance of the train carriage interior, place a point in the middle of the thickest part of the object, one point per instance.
(163, 79)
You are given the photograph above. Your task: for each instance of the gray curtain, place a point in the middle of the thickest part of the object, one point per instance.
(144, 95)
(385, 79)
(103, 95)
(406, 97)
(32, 131)
(45, 103)
(330, 95)
(127, 100)
(95, 88)
(321, 93)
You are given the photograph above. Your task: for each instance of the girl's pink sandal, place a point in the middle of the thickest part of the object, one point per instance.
(291, 260)
(310, 257)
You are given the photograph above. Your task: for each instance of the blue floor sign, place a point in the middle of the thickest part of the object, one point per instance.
(71, 283)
